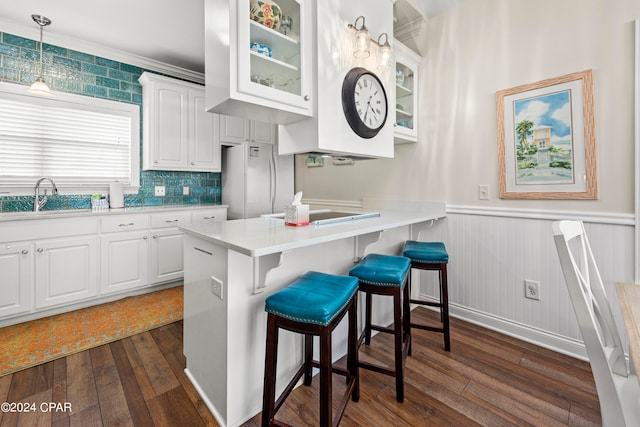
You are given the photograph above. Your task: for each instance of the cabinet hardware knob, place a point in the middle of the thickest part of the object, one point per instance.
(145, 237)
(155, 236)
(306, 97)
(126, 225)
(209, 217)
(155, 161)
(8, 246)
(40, 250)
(172, 220)
(193, 163)
(24, 252)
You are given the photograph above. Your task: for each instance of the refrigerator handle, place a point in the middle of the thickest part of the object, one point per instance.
(272, 179)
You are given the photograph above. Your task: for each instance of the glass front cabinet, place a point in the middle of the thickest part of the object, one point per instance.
(267, 46)
(406, 123)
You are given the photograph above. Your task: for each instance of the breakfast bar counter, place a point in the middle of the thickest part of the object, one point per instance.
(231, 267)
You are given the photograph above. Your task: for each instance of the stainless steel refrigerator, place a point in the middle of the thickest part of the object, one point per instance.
(255, 180)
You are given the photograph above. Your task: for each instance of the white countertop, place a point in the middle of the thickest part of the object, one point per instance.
(263, 236)
(19, 216)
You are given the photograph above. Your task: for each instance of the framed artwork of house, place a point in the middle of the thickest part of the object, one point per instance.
(546, 139)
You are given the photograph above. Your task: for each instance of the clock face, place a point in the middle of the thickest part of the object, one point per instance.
(364, 102)
(370, 101)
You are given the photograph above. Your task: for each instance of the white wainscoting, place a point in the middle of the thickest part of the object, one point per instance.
(492, 252)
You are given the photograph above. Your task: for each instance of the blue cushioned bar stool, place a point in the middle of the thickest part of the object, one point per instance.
(432, 256)
(387, 275)
(312, 305)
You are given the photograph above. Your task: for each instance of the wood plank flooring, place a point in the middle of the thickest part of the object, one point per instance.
(487, 379)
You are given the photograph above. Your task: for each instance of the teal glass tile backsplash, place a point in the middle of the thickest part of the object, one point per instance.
(81, 73)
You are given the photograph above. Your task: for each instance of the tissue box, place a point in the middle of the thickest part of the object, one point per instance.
(296, 215)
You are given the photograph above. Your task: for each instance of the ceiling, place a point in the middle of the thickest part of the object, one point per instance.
(169, 32)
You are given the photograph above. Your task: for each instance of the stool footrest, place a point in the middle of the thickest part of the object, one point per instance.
(335, 369)
(429, 303)
(427, 328)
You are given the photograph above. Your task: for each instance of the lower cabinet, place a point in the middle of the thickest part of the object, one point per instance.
(66, 270)
(124, 261)
(46, 264)
(16, 265)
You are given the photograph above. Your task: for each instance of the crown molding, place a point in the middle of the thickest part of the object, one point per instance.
(10, 27)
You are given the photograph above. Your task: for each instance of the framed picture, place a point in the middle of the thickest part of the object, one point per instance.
(546, 139)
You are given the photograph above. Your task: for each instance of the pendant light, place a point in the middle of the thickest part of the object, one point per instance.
(39, 87)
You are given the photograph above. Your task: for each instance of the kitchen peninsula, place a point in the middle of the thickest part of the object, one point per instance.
(231, 267)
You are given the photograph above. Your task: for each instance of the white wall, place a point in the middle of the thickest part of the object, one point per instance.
(476, 49)
(470, 52)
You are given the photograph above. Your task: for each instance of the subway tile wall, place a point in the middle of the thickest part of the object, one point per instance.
(80, 73)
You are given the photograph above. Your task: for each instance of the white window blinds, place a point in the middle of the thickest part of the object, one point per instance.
(83, 143)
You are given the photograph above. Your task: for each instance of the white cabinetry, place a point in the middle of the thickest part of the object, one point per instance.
(16, 265)
(166, 260)
(406, 105)
(124, 247)
(236, 130)
(207, 216)
(276, 86)
(66, 270)
(178, 133)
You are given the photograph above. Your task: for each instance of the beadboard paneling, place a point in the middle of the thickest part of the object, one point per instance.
(491, 256)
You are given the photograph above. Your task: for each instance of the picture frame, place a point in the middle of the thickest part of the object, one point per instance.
(546, 139)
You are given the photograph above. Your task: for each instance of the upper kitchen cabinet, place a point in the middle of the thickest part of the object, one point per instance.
(178, 133)
(406, 105)
(341, 94)
(258, 59)
(236, 130)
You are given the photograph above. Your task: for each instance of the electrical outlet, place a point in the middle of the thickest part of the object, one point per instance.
(483, 192)
(532, 289)
(159, 190)
(216, 287)
(185, 191)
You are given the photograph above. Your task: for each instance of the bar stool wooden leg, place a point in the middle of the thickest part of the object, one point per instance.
(269, 395)
(308, 358)
(398, 341)
(444, 301)
(367, 315)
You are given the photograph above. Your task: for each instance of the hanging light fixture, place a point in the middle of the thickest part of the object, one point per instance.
(39, 87)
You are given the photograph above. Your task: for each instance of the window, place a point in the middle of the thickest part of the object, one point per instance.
(83, 143)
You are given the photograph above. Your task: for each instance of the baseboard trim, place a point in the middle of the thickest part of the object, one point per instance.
(557, 343)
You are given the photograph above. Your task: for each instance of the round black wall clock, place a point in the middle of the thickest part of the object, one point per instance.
(364, 102)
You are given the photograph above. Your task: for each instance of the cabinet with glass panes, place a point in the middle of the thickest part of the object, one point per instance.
(406, 111)
(267, 46)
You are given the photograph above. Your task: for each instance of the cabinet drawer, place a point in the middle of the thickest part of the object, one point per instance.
(203, 216)
(115, 223)
(170, 219)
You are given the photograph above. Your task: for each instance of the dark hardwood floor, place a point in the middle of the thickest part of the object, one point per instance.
(488, 379)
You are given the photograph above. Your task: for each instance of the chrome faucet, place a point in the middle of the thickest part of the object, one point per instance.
(37, 203)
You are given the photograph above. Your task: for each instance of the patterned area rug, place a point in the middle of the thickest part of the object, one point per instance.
(38, 341)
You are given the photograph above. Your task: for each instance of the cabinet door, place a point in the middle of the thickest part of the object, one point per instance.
(165, 124)
(406, 111)
(66, 270)
(263, 132)
(233, 130)
(16, 265)
(284, 76)
(204, 146)
(124, 261)
(166, 255)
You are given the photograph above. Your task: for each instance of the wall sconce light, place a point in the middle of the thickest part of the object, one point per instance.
(39, 87)
(385, 50)
(363, 43)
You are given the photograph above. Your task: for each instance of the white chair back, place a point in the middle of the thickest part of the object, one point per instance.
(618, 389)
